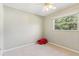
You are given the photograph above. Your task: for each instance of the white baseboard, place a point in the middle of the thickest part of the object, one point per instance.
(64, 47)
(6, 50)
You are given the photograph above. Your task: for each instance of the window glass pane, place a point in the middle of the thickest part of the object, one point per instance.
(66, 23)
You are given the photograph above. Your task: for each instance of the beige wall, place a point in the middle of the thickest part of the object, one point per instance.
(1, 26)
(68, 39)
(20, 27)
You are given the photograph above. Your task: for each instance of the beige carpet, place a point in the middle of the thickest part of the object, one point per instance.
(39, 50)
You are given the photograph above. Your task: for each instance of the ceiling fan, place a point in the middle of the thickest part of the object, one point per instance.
(48, 6)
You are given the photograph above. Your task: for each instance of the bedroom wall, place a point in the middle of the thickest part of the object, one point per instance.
(20, 27)
(1, 27)
(68, 39)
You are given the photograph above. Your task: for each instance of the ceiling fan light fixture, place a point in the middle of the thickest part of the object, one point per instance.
(48, 6)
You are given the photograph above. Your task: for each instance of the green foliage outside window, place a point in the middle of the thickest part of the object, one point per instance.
(66, 23)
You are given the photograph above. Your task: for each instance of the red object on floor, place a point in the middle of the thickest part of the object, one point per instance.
(42, 41)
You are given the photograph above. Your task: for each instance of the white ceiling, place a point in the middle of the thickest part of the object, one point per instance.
(37, 8)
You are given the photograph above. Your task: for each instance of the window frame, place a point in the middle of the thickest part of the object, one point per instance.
(65, 30)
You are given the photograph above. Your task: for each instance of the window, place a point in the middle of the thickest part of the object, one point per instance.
(67, 22)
